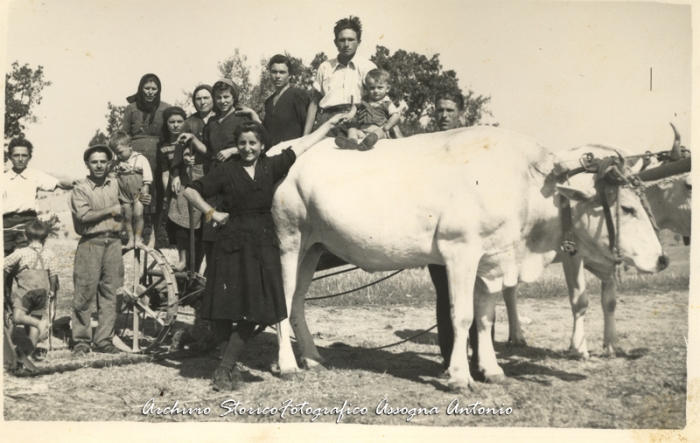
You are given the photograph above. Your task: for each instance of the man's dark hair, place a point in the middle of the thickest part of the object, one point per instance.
(349, 23)
(20, 142)
(454, 96)
(280, 59)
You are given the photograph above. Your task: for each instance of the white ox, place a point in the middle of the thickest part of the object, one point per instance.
(670, 203)
(479, 200)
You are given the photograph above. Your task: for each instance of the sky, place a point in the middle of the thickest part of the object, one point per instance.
(563, 73)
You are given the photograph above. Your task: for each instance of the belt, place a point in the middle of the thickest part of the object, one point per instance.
(108, 234)
(335, 109)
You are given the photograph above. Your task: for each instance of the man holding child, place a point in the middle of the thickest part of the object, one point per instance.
(98, 267)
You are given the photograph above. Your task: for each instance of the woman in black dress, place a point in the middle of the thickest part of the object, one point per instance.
(244, 283)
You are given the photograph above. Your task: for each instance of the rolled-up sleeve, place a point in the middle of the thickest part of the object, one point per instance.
(79, 203)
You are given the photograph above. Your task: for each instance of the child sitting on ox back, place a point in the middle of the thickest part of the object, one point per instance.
(375, 117)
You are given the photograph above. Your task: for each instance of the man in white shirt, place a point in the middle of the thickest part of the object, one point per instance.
(19, 191)
(339, 81)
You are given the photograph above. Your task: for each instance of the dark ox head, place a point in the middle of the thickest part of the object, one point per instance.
(669, 189)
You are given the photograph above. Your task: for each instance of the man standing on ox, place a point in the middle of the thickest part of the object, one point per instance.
(98, 267)
(339, 81)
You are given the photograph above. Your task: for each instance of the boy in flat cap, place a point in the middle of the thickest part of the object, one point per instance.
(98, 267)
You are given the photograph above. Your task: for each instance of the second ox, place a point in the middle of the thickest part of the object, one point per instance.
(483, 201)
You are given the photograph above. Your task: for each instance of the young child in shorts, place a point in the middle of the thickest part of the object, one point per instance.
(36, 284)
(376, 114)
(134, 175)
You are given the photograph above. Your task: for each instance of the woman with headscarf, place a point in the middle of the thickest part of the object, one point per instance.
(143, 121)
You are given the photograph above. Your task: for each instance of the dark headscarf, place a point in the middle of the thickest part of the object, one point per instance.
(169, 112)
(199, 88)
(144, 105)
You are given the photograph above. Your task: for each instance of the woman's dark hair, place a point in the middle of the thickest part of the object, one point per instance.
(349, 23)
(254, 127)
(169, 112)
(20, 142)
(226, 85)
(37, 230)
(279, 59)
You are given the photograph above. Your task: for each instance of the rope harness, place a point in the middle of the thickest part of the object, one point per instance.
(610, 177)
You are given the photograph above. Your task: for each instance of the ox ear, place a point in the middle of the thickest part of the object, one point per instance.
(574, 194)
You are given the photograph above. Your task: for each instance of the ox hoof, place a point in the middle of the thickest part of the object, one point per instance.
(495, 379)
(614, 351)
(290, 376)
(516, 343)
(573, 354)
(313, 365)
(461, 387)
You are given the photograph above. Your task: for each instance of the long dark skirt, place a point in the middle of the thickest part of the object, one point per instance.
(244, 282)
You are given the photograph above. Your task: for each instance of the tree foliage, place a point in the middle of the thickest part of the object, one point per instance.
(416, 80)
(23, 86)
(114, 123)
(236, 68)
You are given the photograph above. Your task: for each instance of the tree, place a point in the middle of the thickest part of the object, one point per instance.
(114, 123)
(236, 69)
(416, 80)
(23, 86)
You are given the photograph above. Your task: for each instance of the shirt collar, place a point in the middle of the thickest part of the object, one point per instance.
(335, 63)
(21, 174)
(93, 185)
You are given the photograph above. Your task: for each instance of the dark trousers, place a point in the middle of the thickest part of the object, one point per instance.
(98, 272)
(438, 274)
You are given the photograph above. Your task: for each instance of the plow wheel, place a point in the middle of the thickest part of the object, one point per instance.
(148, 302)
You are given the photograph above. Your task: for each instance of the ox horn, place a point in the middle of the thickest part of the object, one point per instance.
(675, 153)
(620, 156)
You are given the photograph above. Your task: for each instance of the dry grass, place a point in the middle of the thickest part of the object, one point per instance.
(544, 387)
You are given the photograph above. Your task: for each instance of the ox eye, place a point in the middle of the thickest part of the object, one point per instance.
(629, 211)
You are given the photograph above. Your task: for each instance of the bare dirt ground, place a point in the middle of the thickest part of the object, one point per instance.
(544, 387)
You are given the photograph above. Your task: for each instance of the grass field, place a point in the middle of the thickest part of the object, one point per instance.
(544, 387)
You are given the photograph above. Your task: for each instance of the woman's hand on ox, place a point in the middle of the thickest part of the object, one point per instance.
(176, 185)
(220, 218)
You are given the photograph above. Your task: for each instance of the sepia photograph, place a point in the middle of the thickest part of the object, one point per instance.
(276, 220)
